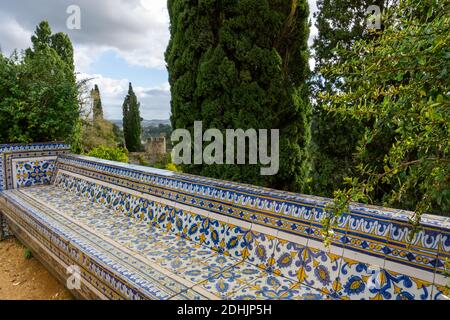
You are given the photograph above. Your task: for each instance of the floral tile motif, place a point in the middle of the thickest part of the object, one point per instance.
(178, 256)
(234, 242)
(227, 282)
(34, 172)
(402, 287)
(362, 281)
(321, 270)
(214, 235)
(185, 249)
(199, 269)
(288, 260)
(192, 227)
(260, 251)
(267, 287)
(358, 281)
(156, 249)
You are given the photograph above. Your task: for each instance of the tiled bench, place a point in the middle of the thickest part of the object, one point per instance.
(142, 233)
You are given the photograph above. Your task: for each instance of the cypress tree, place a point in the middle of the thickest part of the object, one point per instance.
(132, 121)
(240, 65)
(97, 104)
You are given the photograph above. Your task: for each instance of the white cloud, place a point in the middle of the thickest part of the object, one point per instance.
(12, 35)
(154, 100)
(138, 30)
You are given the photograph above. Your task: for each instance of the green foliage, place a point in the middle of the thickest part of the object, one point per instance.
(27, 254)
(107, 153)
(97, 131)
(38, 91)
(243, 64)
(132, 122)
(142, 161)
(398, 82)
(334, 138)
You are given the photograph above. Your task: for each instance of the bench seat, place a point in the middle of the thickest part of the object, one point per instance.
(156, 263)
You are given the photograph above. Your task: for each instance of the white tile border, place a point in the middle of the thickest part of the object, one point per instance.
(364, 258)
(265, 230)
(409, 271)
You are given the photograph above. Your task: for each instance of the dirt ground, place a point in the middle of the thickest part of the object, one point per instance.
(26, 279)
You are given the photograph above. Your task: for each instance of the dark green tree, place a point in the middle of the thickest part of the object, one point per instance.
(339, 23)
(243, 64)
(38, 92)
(97, 108)
(132, 121)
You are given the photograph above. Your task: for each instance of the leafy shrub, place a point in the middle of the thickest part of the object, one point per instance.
(109, 153)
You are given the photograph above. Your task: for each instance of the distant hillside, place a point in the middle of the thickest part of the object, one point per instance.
(145, 123)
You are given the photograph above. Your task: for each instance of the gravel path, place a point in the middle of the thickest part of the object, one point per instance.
(26, 279)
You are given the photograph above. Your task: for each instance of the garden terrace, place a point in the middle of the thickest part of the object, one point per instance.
(141, 233)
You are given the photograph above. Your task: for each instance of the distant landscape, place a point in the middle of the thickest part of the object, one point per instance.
(145, 123)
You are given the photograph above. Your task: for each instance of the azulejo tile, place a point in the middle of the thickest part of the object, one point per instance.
(214, 235)
(321, 270)
(441, 292)
(362, 281)
(288, 260)
(443, 258)
(234, 241)
(260, 250)
(224, 284)
(193, 226)
(358, 281)
(421, 251)
(402, 287)
(199, 270)
(267, 287)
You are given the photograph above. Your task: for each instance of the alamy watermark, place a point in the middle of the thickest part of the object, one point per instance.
(74, 280)
(73, 22)
(373, 14)
(228, 148)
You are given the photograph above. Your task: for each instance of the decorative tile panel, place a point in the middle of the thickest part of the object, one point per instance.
(12, 153)
(33, 172)
(321, 270)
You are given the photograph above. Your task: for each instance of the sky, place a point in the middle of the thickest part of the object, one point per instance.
(120, 41)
